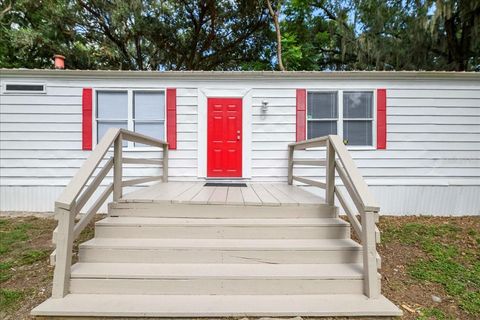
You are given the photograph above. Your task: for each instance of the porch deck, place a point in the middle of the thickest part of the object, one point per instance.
(189, 250)
(254, 194)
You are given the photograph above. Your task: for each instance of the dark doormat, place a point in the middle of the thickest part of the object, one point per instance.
(225, 184)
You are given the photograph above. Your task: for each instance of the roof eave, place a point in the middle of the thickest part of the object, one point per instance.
(407, 75)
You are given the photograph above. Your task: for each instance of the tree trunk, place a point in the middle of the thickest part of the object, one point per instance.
(275, 15)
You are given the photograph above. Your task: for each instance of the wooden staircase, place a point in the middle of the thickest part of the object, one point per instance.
(169, 259)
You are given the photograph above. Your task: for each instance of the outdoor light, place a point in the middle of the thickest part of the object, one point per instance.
(264, 106)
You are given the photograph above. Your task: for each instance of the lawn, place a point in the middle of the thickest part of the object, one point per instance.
(430, 265)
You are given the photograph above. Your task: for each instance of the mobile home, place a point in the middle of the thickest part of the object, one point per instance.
(223, 189)
(415, 136)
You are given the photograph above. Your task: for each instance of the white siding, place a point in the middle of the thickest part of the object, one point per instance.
(433, 139)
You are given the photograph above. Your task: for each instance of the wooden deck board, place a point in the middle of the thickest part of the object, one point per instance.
(250, 197)
(265, 196)
(172, 192)
(255, 194)
(300, 195)
(234, 196)
(203, 196)
(284, 199)
(149, 192)
(188, 194)
(219, 195)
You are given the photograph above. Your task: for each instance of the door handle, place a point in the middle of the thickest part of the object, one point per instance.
(238, 138)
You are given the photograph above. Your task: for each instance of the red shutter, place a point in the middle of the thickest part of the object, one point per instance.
(381, 118)
(301, 114)
(87, 119)
(172, 118)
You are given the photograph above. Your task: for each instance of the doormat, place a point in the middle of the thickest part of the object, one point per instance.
(225, 184)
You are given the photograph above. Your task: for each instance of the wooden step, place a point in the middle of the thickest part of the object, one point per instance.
(191, 279)
(111, 305)
(220, 250)
(145, 227)
(172, 210)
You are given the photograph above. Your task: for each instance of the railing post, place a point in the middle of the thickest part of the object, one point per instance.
(290, 164)
(371, 281)
(117, 168)
(330, 174)
(63, 259)
(165, 163)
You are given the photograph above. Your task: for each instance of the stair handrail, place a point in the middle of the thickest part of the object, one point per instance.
(357, 189)
(76, 195)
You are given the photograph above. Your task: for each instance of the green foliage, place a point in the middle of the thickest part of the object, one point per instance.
(131, 34)
(232, 35)
(419, 233)
(32, 256)
(5, 272)
(14, 249)
(433, 313)
(9, 298)
(11, 235)
(292, 51)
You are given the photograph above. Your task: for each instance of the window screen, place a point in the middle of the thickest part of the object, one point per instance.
(149, 114)
(358, 118)
(112, 111)
(322, 114)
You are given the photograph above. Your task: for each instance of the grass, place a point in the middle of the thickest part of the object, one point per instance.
(25, 244)
(9, 298)
(15, 249)
(11, 235)
(433, 313)
(25, 273)
(452, 260)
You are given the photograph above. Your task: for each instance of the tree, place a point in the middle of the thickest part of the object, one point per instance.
(33, 31)
(455, 29)
(135, 35)
(176, 35)
(242, 34)
(275, 18)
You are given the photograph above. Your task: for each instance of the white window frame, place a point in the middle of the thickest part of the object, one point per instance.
(26, 92)
(323, 119)
(340, 118)
(130, 122)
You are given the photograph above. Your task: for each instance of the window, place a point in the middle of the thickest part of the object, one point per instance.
(112, 111)
(352, 119)
(357, 118)
(139, 111)
(24, 88)
(149, 113)
(322, 114)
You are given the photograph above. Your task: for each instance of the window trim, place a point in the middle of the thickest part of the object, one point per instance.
(340, 118)
(25, 92)
(130, 121)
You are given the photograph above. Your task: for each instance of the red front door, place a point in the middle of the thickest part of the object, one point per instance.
(224, 137)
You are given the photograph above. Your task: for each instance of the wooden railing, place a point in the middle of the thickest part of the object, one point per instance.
(339, 160)
(77, 194)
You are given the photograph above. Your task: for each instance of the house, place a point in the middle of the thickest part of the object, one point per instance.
(246, 174)
(415, 136)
